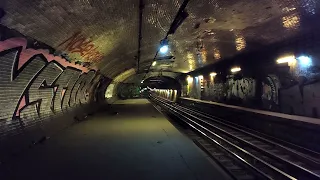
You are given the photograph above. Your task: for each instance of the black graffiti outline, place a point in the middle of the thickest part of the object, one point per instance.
(43, 85)
(15, 71)
(63, 88)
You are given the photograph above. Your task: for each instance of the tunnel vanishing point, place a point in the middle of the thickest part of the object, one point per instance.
(149, 89)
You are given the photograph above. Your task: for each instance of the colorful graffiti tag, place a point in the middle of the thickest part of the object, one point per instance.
(36, 85)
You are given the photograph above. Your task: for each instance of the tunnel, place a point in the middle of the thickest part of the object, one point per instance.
(159, 89)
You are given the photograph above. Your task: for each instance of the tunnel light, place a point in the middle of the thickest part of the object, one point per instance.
(235, 69)
(286, 59)
(164, 49)
(213, 74)
(154, 63)
(200, 77)
(142, 81)
(189, 79)
(305, 61)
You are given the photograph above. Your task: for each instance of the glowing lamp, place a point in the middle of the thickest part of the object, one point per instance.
(189, 79)
(164, 49)
(213, 74)
(235, 69)
(305, 61)
(286, 59)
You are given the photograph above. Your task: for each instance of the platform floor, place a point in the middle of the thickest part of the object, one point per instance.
(136, 143)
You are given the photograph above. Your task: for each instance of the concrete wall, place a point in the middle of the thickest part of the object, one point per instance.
(40, 93)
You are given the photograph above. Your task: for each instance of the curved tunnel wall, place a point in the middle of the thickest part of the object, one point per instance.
(39, 89)
(289, 87)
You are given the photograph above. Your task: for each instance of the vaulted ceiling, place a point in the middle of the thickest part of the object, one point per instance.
(104, 33)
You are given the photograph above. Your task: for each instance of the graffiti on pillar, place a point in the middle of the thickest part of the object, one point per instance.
(83, 46)
(37, 85)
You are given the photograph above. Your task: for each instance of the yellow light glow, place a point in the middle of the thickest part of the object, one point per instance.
(213, 74)
(191, 61)
(154, 63)
(201, 81)
(189, 79)
(240, 43)
(216, 53)
(235, 69)
(286, 59)
(204, 56)
(291, 21)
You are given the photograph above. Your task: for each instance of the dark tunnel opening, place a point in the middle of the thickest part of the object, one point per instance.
(161, 82)
(163, 86)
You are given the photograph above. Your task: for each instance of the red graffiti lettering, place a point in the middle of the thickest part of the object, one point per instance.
(78, 43)
(27, 53)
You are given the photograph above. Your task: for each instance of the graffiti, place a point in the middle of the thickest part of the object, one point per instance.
(128, 90)
(78, 43)
(243, 88)
(278, 93)
(270, 87)
(218, 92)
(301, 100)
(37, 85)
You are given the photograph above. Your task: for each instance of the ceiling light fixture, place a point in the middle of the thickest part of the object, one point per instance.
(213, 74)
(305, 61)
(164, 47)
(235, 69)
(286, 59)
(189, 79)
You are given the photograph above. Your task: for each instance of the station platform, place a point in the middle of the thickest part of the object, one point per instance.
(134, 141)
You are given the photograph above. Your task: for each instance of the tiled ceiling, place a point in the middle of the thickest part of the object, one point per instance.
(214, 30)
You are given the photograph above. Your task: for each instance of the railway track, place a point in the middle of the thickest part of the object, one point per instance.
(244, 153)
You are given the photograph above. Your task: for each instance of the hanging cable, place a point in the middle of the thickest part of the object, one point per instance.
(180, 17)
(141, 7)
